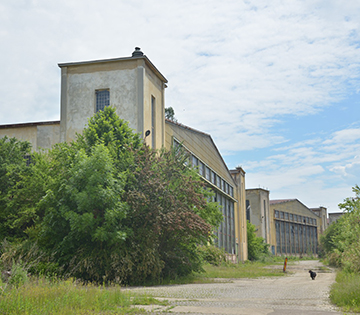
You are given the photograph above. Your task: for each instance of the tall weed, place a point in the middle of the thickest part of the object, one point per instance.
(345, 292)
(18, 275)
(67, 298)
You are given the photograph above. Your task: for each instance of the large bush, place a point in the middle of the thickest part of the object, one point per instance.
(341, 239)
(108, 208)
(12, 169)
(257, 248)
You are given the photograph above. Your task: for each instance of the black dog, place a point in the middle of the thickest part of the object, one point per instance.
(312, 274)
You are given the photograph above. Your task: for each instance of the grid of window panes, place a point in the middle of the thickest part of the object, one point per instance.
(102, 99)
(207, 173)
(225, 235)
(295, 234)
(211, 176)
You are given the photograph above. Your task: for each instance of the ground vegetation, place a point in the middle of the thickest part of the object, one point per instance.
(341, 248)
(104, 208)
(258, 249)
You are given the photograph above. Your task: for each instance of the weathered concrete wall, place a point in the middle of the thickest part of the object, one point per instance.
(21, 133)
(321, 212)
(132, 83)
(154, 87)
(259, 211)
(41, 135)
(48, 135)
(240, 215)
(79, 102)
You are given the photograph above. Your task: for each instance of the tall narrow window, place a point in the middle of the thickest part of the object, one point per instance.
(207, 173)
(153, 120)
(248, 210)
(102, 99)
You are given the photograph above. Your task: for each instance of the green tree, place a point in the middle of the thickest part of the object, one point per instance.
(256, 245)
(170, 114)
(341, 240)
(84, 214)
(116, 210)
(106, 127)
(169, 214)
(12, 169)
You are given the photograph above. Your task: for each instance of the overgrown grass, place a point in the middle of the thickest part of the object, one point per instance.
(250, 269)
(345, 292)
(67, 297)
(247, 270)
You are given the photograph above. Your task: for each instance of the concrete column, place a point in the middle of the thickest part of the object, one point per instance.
(63, 104)
(240, 214)
(140, 99)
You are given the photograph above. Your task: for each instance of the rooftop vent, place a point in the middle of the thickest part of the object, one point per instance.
(137, 52)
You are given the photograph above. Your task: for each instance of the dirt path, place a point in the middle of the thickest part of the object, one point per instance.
(294, 294)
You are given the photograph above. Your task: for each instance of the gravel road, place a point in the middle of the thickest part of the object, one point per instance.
(293, 294)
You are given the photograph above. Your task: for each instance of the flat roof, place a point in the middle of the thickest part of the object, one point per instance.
(30, 124)
(147, 61)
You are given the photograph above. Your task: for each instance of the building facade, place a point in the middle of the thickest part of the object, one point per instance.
(136, 88)
(39, 134)
(321, 212)
(333, 217)
(228, 186)
(295, 226)
(287, 225)
(132, 85)
(258, 211)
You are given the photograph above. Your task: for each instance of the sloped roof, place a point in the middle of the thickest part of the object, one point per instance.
(205, 135)
(277, 201)
(187, 128)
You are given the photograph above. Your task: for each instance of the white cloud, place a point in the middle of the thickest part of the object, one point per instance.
(236, 70)
(252, 58)
(350, 171)
(343, 137)
(317, 172)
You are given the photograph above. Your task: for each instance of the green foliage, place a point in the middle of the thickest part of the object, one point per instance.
(107, 208)
(170, 114)
(212, 254)
(326, 239)
(70, 298)
(257, 248)
(12, 169)
(169, 213)
(18, 275)
(250, 269)
(28, 255)
(84, 212)
(345, 292)
(341, 240)
(107, 128)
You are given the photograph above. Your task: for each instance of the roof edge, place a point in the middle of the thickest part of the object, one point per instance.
(89, 62)
(30, 124)
(203, 134)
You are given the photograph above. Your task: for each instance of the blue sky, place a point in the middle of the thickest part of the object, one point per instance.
(275, 83)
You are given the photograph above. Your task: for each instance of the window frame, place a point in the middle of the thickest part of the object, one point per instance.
(99, 99)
